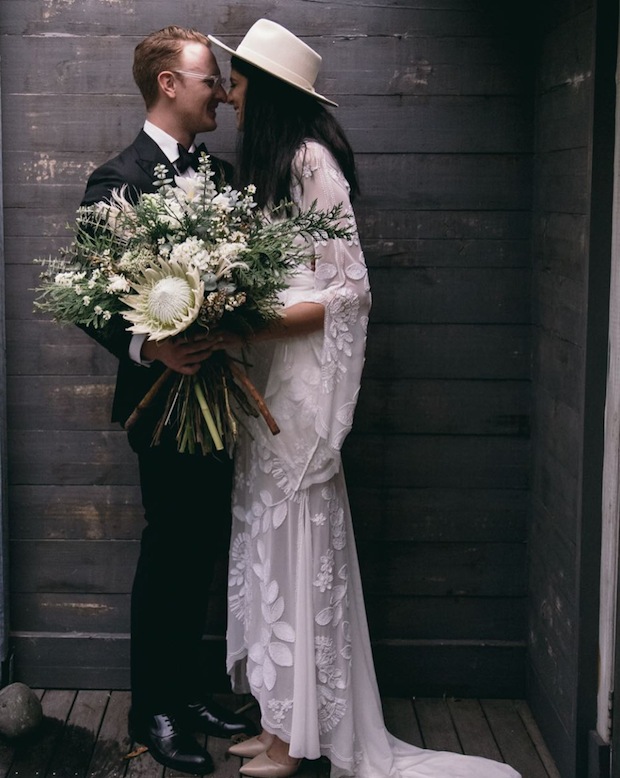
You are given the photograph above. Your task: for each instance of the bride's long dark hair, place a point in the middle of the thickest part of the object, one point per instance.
(277, 119)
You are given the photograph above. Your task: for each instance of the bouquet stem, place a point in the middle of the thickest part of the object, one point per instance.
(147, 399)
(217, 441)
(256, 396)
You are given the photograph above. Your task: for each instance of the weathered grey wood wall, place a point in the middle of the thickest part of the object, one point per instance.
(435, 101)
(561, 263)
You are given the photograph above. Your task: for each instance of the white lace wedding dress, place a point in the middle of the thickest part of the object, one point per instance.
(297, 633)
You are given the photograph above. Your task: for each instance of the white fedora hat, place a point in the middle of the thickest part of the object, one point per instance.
(274, 49)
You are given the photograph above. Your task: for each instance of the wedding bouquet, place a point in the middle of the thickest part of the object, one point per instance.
(187, 258)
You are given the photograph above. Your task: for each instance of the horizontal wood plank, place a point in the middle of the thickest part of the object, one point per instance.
(405, 668)
(563, 115)
(452, 569)
(403, 406)
(389, 181)
(374, 124)
(437, 514)
(563, 182)
(401, 351)
(450, 669)
(557, 244)
(573, 36)
(369, 64)
(96, 512)
(449, 618)
(374, 224)
(557, 306)
(411, 18)
(400, 295)
(383, 253)
(74, 457)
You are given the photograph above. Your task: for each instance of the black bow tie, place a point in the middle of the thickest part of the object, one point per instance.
(189, 158)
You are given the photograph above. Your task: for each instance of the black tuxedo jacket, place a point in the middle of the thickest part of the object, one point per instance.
(134, 167)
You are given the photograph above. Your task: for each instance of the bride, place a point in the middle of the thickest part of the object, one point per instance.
(297, 633)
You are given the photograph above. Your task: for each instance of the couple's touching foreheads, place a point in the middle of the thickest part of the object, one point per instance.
(297, 638)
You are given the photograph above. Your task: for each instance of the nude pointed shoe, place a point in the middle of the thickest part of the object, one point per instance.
(264, 767)
(250, 748)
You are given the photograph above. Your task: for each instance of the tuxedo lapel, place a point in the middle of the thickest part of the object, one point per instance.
(148, 156)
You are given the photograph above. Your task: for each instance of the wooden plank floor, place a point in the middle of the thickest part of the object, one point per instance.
(84, 735)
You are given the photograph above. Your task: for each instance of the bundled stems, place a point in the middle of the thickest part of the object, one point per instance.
(205, 397)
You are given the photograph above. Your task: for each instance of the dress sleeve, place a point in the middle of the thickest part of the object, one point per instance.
(341, 285)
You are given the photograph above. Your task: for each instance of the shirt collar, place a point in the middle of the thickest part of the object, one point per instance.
(166, 143)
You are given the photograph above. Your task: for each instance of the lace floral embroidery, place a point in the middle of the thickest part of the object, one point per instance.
(280, 708)
(341, 312)
(266, 654)
(331, 709)
(325, 578)
(338, 601)
(240, 556)
(325, 658)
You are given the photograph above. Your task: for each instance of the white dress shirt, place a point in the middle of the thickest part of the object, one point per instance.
(170, 148)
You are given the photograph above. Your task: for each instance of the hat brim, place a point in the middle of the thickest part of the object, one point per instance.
(245, 58)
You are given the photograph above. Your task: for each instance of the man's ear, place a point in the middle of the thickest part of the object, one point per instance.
(167, 84)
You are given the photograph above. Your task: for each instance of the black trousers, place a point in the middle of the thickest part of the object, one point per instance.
(186, 500)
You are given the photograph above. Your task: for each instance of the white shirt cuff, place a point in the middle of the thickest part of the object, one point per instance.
(135, 349)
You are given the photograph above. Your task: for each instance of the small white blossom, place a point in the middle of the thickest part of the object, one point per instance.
(118, 283)
(64, 279)
(107, 315)
(98, 310)
(86, 300)
(223, 202)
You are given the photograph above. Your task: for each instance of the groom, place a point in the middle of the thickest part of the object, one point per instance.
(186, 497)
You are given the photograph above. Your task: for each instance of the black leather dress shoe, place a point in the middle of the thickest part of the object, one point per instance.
(168, 745)
(213, 719)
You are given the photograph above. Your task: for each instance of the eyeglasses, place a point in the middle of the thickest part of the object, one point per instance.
(213, 81)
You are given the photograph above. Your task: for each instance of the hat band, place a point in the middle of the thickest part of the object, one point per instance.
(273, 67)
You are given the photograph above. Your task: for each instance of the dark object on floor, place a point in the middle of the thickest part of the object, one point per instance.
(20, 710)
(216, 720)
(168, 745)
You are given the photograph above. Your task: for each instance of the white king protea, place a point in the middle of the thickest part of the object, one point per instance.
(166, 301)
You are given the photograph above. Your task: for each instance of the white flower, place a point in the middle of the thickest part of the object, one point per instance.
(118, 283)
(86, 300)
(107, 315)
(98, 310)
(168, 300)
(64, 279)
(192, 251)
(191, 186)
(223, 202)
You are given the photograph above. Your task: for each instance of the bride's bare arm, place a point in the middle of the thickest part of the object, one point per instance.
(296, 320)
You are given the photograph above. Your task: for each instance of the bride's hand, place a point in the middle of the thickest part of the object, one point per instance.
(221, 340)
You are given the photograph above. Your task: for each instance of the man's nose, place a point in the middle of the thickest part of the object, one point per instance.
(221, 94)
